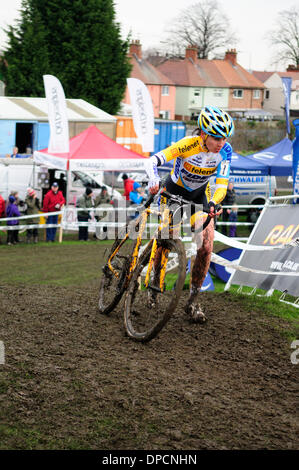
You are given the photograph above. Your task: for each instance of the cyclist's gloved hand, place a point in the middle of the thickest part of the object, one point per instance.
(154, 185)
(215, 209)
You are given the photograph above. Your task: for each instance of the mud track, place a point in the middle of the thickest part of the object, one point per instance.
(72, 379)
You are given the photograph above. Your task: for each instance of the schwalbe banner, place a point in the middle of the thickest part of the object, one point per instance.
(57, 113)
(276, 226)
(143, 113)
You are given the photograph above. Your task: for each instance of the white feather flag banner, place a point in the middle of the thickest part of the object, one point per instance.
(143, 113)
(57, 113)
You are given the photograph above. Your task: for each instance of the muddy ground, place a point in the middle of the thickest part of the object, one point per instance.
(73, 380)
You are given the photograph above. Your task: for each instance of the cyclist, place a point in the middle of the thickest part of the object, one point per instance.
(197, 158)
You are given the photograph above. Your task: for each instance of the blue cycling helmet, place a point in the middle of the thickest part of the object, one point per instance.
(215, 122)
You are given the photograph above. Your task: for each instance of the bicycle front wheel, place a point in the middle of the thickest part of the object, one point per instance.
(115, 272)
(148, 308)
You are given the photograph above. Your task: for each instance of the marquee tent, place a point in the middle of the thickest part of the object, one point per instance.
(91, 150)
(278, 158)
(241, 165)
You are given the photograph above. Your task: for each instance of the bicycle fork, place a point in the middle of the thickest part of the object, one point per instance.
(162, 265)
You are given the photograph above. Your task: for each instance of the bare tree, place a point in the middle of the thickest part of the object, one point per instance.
(285, 36)
(203, 24)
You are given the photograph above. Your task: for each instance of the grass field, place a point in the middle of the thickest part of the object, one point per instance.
(73, 380)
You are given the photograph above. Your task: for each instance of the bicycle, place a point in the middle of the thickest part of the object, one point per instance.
(148, 305)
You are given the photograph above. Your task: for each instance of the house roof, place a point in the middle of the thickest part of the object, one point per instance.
(262, 76)
(208, 73)
(19, 108)
(147, 73)
(265, 75)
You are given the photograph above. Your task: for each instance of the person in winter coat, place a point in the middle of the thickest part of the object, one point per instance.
(53, 202)
(137, 194)
(84, 202)
(12, 211)
(2, 209)
(32, 208)
(229, 200)
(233, 217)
(128, 186)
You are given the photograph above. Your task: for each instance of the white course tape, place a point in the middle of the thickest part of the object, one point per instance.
(219, 237)
(173, 263)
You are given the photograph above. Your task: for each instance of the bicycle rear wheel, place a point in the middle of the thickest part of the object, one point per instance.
(148, 309)
(114, 276)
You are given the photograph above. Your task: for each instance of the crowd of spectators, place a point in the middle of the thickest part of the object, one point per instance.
(54, 201)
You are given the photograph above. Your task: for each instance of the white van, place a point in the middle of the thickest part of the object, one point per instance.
(18, 175)
(254, 189)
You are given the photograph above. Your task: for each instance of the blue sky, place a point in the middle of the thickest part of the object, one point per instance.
(149, 19)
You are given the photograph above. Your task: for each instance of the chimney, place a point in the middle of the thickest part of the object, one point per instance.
(231, 56)
(192, 53)
(135, 48)
(293, 68)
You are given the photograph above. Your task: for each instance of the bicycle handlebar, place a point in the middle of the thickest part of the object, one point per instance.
(179, 200)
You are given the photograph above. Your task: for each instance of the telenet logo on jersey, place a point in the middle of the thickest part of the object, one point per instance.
(199, 171)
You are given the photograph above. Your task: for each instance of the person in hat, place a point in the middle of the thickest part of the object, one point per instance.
(128, 186)
(12, 211)
(137, 194)
(53, 202)
(84, 202)
(33, 207)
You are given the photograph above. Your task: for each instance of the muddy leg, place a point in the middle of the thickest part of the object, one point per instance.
(201, 265)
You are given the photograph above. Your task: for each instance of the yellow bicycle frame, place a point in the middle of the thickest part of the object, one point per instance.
(163, 224)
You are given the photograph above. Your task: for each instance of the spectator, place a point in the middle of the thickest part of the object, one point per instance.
(2, 210)
(2, 207)
(102, 199)
(62, 184)
(229, 200)
(15, 153)
(137, 195)
(53, 202)
(128, 186)
(33, 207)
(233, 217)
(84, 202)
(252, 217)
(12, 211)
(21, 207)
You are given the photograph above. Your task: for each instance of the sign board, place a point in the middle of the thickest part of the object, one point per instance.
(276, 225)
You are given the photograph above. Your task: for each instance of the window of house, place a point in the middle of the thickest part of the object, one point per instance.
(196, 92)
(256, 94)
(267, 94)
(164, 114)
(165, 90)
(238, 93)
(218, 92)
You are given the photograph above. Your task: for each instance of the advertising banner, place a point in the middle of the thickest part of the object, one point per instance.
(143, 113)
(58, 121)
(276, 226)
(296, 161)
(286, 85)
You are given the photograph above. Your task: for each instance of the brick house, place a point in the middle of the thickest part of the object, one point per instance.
(219, 82)
(273, 93)
(161, 88)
